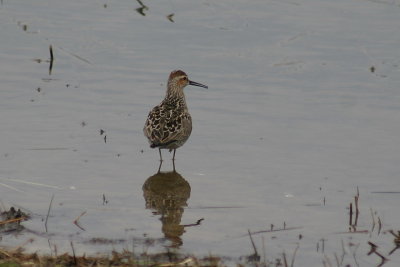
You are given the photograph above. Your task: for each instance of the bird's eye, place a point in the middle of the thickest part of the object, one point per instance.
(184, 78)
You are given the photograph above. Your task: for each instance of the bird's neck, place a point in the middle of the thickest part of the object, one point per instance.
(175, 100)
(175, 93)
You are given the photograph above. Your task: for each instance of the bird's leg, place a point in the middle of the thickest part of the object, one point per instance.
(173, 160)
(159, 151)
(159, 167)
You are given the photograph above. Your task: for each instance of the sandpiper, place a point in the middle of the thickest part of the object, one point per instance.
(169, 124)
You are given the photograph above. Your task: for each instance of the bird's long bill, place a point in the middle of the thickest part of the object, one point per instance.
(198, 84)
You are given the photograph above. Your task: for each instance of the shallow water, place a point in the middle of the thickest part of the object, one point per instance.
(302, 108)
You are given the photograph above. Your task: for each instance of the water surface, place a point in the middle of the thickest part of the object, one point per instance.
(302, 108)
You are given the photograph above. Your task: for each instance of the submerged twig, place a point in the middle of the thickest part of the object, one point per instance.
(51, 59)
(327, 261)
(74, 55)
(383, 258)
(77, 219)
(48, 212)
(252, 243)
(105, 201)
(255, 256)
(379, 225)
(343, 252)
(284, 259)
(51, 53)
(353, 225)
(351, 215)
(373, 220)
(73, 253)
(13, 220)
(141, 9)
(354, 254)
(336, 259)
(354, 232)
(276, 230)
(356, 197)
(169, 17)
(396, 241)
(373, 250)
(294, 255)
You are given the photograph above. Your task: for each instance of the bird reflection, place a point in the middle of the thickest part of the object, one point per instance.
(167, 193)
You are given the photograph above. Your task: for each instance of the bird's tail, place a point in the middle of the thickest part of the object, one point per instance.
(154, 145)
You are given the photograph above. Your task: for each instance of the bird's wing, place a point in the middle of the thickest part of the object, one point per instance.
(178, 126)
(153, 128)
(165, 125)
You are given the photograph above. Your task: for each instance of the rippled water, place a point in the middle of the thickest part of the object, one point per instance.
(302, 108)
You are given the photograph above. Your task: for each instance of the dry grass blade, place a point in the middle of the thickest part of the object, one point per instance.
(255, 256)
(356, 198)
(276, 230)
(77, 219)
(170, 17)
(73, 253)
(373, 220)
(374, 250)
(5, 253)
(13, 220)
(294, 255)
(351, 215)
(51, 59)
(284, 259)
(190, 261)
(48, 212)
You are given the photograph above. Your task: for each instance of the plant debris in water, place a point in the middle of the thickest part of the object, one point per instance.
(125, 258)
(10, 220)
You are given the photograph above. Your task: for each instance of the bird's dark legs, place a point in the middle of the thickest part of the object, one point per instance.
(159, 151)
(173, 160)
(161, 160)
(159, 167)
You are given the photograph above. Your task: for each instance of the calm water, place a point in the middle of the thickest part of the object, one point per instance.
(303, 107)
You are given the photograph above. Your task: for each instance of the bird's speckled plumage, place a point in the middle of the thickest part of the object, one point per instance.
(169, 124)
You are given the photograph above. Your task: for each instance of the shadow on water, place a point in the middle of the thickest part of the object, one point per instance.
(166, 193)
